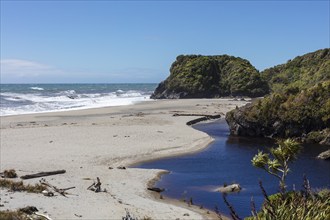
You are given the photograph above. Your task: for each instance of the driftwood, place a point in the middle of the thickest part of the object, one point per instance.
(203, 117)
(96, 186)
(32, 210)
(128, 216)
(42, 215)
(60, 191)
(36, 175)
(156, 189)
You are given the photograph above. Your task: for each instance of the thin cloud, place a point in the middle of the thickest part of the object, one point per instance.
(26, 71)
(25, 68)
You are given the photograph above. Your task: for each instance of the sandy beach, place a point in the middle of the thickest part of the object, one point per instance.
(93, 143)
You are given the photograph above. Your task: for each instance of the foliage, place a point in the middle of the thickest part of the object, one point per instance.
(285, 153)
(298, 105)
(300, 73)
(288, 115)
(213, 76)
(295, 205)
(19, 186)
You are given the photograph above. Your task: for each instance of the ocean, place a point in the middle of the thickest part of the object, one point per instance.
(16, 99)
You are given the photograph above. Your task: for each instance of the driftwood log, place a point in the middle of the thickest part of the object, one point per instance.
(156, 189)
(41, 174)
(203, 117)
(60, 191)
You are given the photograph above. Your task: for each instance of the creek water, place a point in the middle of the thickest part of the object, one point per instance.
(228, 160)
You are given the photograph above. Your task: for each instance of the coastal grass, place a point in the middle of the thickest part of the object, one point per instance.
(10, 215)
(20, 186)
(10, 173)
(296, 205)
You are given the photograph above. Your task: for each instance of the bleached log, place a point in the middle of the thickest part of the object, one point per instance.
(41, 174)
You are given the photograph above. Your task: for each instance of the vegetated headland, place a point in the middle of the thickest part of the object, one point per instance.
(296, 101)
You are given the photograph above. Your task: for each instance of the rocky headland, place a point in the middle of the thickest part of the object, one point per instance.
(197, 76)
(298, 106)
(296, 97)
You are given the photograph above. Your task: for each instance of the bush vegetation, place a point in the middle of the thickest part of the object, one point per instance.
(300, 73)
(304, 204)
(213, 76)
(299, 105)
(291, 115)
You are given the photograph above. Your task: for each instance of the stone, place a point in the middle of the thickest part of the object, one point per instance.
(230, 188)
(324, 155)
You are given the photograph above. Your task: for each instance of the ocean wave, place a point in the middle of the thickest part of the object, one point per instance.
(66, 100)
(37, 88)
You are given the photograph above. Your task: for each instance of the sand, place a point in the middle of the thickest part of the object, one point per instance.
(88, 143)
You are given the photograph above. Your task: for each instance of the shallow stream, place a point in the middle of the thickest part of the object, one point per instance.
(228, 160)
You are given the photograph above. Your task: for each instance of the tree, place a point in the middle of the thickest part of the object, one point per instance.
(278, 165)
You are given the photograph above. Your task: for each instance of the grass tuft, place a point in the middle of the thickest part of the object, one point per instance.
(10, 173)
(19, 186)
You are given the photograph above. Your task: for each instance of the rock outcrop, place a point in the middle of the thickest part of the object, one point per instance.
(324, 155)
(196, 76)
(300, 109)
(230, 188)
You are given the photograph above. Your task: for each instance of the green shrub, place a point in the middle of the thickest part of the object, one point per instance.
(296, 205)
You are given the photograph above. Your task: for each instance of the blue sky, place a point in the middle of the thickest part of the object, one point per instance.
(137, 41)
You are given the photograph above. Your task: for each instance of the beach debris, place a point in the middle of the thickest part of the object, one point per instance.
(96, 186)
(204, 117)
(41, 174)
(9, 174)
(156, 189)
(60, 191)
(128, 216)
(47, 193)
(121, 168)
(29, 210)
(110, 168)
(185, 214)
(42, 215)
(79, 216)
(32, 210)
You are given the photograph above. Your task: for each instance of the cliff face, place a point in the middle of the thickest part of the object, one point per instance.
(196, 76)
(299, 105)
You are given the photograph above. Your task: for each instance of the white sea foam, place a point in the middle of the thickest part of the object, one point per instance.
(67, 100)
(37, 88)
